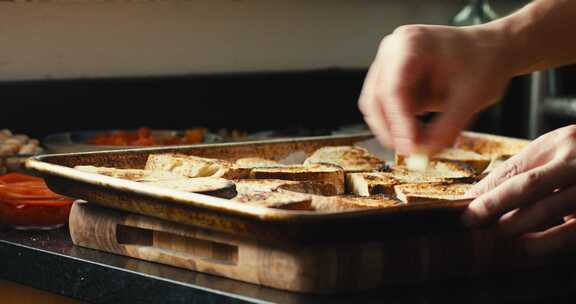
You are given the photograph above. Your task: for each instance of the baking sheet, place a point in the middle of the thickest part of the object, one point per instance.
(231, 216)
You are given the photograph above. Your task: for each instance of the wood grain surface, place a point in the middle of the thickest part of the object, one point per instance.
(324, 268)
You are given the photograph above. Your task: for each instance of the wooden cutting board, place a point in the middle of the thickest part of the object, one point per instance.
(310, 268)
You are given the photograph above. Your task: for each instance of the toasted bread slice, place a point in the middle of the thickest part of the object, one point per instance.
(193, 166)
(452, 159)
(350, 158)
(420, 193)
(351, 202)
(452, 169)
(311, 187)
(130, 174)
(374, 183)
(206, 185)
(441, 172)
(447, 169)
(267, 185)
(213, 186)
(244, 186)
(278, 200)
(256, 162)
(367, 184)
(492, 146)
(320, 173)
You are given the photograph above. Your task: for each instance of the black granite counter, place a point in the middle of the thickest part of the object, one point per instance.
(49, 261)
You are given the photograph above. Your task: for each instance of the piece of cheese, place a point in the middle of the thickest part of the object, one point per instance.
(417, 162)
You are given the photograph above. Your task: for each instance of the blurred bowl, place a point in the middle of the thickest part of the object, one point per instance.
(35, 215)
(27, 203)
(16, 163)
(77, 141)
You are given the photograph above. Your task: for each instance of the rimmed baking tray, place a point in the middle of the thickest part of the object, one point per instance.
(233, 217)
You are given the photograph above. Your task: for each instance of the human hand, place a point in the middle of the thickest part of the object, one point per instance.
(419, 69)
(533, 194)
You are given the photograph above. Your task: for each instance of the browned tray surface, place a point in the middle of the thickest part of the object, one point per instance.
(233, 217)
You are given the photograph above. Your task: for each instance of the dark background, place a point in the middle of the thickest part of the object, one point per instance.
(317, 100)
(304, 103)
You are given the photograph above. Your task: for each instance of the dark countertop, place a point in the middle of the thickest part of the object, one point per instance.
(49, 261)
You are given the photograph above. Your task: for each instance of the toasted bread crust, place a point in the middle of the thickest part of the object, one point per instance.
(455, 169)
(137, 175)
(318, 188)
(193, 166)
(267, 185)
(256, 162)
(212, 186)
(419, 193)
(205, 185)
(278, 200)
(458, 160)
(260, 185)
(129, 174)
(367, 184)
(351, 202)
(320, 173)
(375, 183)
(492, 146)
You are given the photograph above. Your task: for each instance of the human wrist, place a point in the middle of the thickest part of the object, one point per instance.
(492, 45)
(522, 43)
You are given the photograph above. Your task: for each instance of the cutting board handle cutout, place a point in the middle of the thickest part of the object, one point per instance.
(175, 245)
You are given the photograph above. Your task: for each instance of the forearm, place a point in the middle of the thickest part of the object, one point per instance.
(541, 35)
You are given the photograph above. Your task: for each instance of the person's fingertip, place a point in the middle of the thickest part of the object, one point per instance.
(475, 215)
(404, 146)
